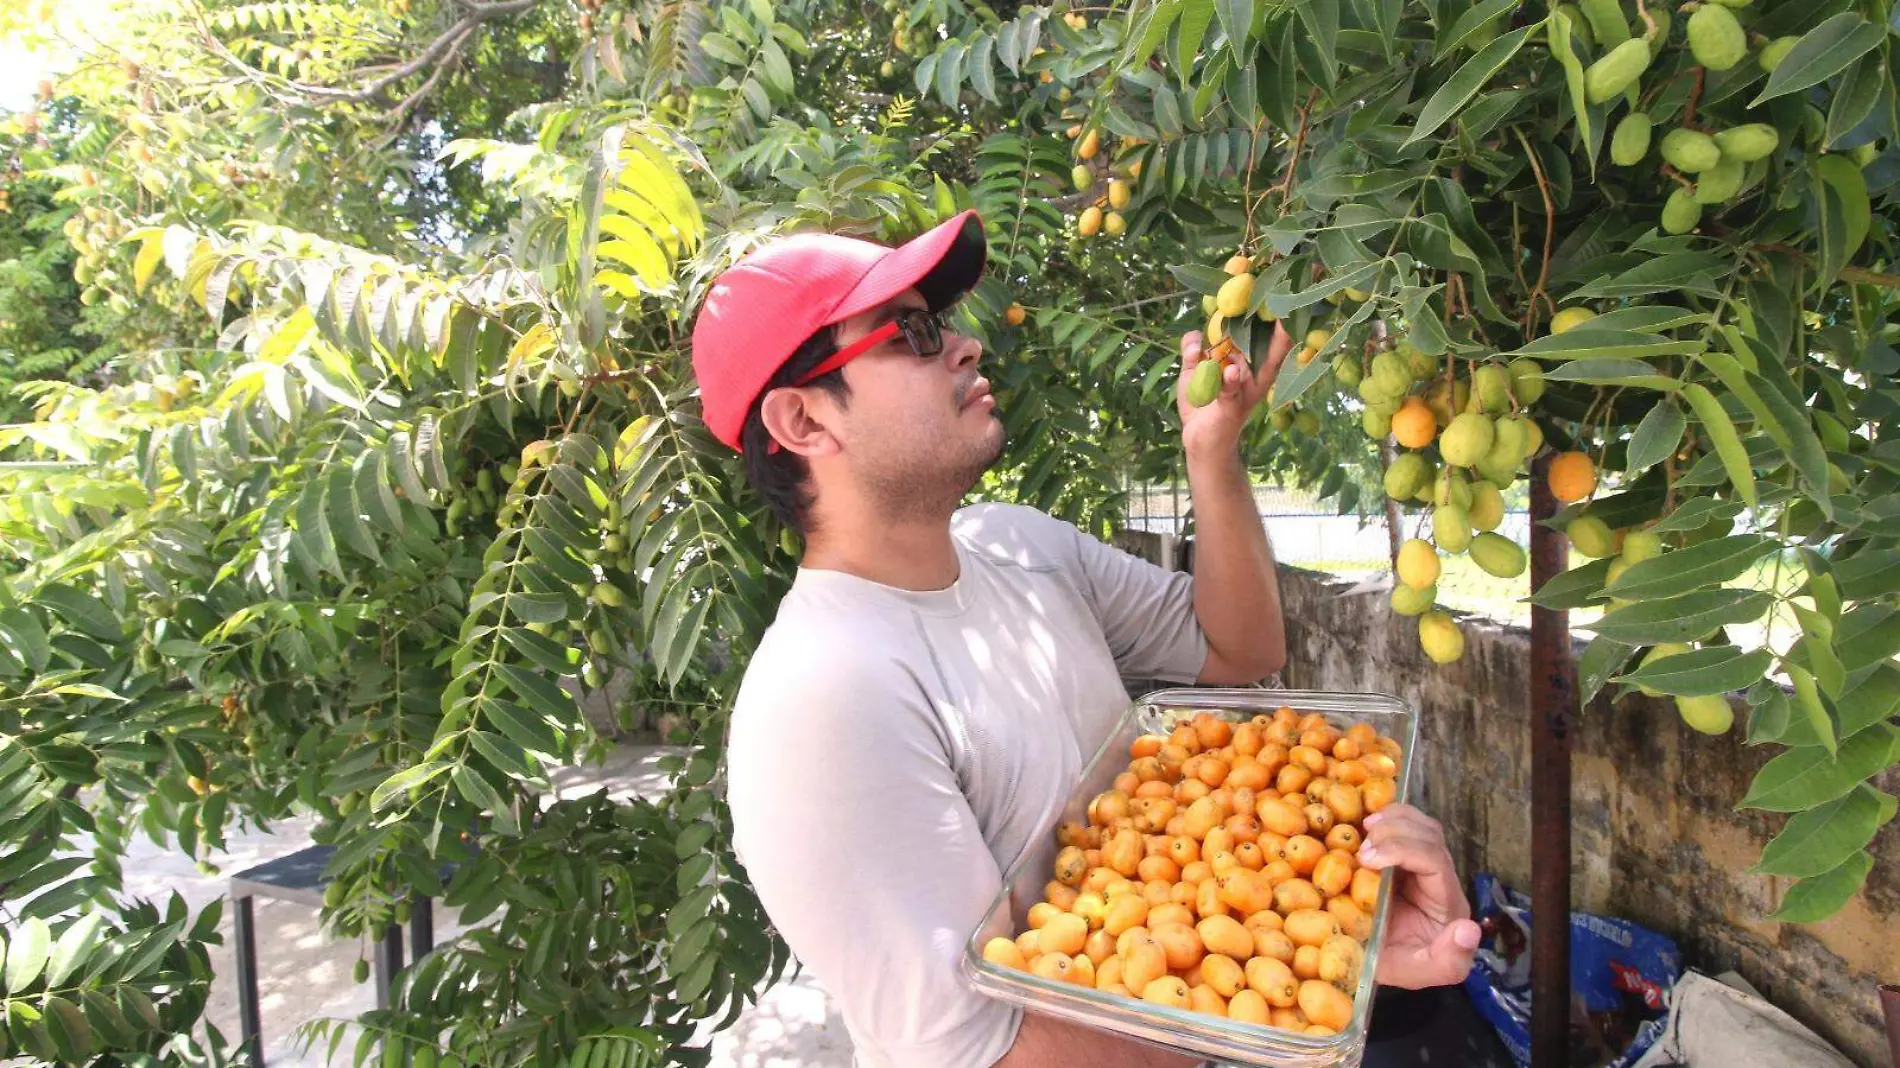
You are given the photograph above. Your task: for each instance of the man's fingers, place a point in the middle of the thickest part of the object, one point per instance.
(1442, 962)
(1404, 819)
(1434, 881)
(1192, 344)
(1277, 350)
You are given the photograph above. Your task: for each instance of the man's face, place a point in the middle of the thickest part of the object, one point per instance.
(917, 432)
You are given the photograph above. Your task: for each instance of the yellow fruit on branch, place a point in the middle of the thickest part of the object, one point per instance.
(1235, 296)
(1570, 319)
(1573, 476)
(1591, 536)
(1114, 224)
(1089, 222)
(1710, 714)
(1015, 314)
(1418, 563)
(1118, 194)
(1091, 144)
(1238, 263)
(1441, 637)
(1317, 340)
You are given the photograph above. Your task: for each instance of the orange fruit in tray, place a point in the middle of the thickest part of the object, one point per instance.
(1219, 873)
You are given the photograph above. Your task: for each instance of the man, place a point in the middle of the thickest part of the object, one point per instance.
(936, 678)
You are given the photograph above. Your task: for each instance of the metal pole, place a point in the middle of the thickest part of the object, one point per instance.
(1553, 704)
(250, 1018)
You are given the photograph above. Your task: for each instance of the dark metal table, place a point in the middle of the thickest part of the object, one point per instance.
(299, 877)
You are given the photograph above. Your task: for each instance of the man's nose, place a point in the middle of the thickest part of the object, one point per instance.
(960, 351)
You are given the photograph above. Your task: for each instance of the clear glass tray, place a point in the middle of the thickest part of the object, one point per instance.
(1227, 1041)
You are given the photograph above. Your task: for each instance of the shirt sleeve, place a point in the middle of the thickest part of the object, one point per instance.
(865, 853)
(1145, 611)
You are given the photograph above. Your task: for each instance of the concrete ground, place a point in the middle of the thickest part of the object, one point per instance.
(306, 975)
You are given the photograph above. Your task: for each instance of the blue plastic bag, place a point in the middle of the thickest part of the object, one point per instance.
(1621, 974)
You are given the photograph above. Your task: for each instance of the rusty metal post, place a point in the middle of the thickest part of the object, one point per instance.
(1553, 704)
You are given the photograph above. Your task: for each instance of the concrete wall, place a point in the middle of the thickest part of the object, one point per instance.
(1655, 834)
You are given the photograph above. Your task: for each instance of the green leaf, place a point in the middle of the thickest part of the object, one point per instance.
(1458, 90)
(1236, 21)
(1807, 698)
(69, 952)
(1728, 444)
(1811, 900)
(1656, 437)
(1804, 778)
(1696, 513)
(1867, 636)
(1855, 98)
(1868, 574)
(1603, 659)
(1612, 371)
(1683, 570)
(1566, 53)
(67, 1024)
(950, 72)
(1846, 213)
(1793, 429)
(1714, 670)
(1822, 53)
(537, 692)
(1593, 342)
(32, 941)
(1821, 839)
(1578, 587)
(397, 785)
(1682, 619)
(1869, 701)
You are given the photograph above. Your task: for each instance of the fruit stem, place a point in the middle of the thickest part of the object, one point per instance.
(1550, 237)
(1695, 97)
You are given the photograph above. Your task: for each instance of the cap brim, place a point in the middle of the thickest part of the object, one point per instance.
(942, 264)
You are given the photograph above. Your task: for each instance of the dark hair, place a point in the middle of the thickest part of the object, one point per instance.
(783, 478)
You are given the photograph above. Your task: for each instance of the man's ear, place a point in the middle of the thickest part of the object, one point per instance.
(800, 420)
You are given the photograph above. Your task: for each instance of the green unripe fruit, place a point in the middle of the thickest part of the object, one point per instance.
(1467, 439)
(1660, 652)
(590, 674)
(1493, 385)
(1373, 393)
(1680, 212)
(1690, 151)
(1630, 143)
(1617, 567)
(1641, 545)
(600, 641)
(1204, 386)
(1407, 601)
(1082, 177)
(1346, 368)
(1440, 637)
(1406, 475)
(1281, 419)
(1498, 555)
(1720, 182)
(1377, 423)
(1419, 364)
(1710, 713)
(1451, 487)
(1499, 474)
(1775, 51)
(1862, 155)
(1748, 143)
(1591, 536)
(1451, 528)
(1306, 423)
(1208, 306)
(1527, 379)
(1391, 374)
(334, 894)
(1616, 71)
(887, 68)
(1486, 510)
(360, 971)
(1507, 446)
(608, 594)
(1716, 38)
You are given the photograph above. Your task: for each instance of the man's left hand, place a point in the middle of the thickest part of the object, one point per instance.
(1216, 427)
(1430, 939)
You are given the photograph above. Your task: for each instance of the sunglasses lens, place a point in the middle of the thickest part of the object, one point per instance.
(925, 332)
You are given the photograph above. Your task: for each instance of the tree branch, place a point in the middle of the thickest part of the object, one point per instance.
(438, 52)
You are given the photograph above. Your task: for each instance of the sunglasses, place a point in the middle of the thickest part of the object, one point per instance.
(921, 327)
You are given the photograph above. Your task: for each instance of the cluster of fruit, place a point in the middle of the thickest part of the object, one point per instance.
(1710, 166)
(1105, 214)
(1220, 873)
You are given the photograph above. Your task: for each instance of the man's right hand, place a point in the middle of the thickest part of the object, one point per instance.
(1045, 1042)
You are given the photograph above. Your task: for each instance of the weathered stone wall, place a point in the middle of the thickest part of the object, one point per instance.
(1655, 836)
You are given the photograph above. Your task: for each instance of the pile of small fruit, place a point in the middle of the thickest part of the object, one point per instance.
(1219, 874)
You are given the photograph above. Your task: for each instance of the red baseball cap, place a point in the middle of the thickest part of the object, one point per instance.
(769, 303)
